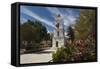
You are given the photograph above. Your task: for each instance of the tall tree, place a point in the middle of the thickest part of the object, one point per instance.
(85, 30)
(33, 31)
(86, 23)
(71, 33)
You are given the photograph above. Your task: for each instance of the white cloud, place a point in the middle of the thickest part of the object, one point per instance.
(22, 19)
(34, 15)
(54, 10)
(68, 17)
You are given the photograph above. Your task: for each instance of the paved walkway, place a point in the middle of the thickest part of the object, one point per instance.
(38, 57)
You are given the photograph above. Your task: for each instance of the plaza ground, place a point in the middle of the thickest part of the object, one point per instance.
(37, 57)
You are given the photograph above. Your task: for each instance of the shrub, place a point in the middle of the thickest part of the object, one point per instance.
(89, 56)
(64, 54)
(59, 55)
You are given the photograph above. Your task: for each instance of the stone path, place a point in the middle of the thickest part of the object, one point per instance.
(38, 57)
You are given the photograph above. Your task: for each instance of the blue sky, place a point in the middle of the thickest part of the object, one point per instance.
(47, 15)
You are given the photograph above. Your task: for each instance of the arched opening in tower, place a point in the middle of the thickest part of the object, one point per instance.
(56, 43)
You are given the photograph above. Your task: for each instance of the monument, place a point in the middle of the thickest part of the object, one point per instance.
(58, 34)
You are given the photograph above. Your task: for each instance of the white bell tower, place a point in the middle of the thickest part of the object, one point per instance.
(58, 34)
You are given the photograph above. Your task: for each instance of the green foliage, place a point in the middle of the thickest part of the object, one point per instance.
(64, 54)
(33, 31)
(85, 30)
(86, 23)
(89, 56)
(71, 33)
(59, 55)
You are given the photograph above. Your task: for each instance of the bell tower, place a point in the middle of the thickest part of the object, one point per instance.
(58, 34)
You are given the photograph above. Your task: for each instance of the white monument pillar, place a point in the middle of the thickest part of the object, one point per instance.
(58, 34)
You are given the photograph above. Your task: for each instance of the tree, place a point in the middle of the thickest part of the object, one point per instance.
(85, 24)
(85, 30)
(32, 31)
(71, 33)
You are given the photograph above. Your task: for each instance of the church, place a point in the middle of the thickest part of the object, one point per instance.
(58, 34)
